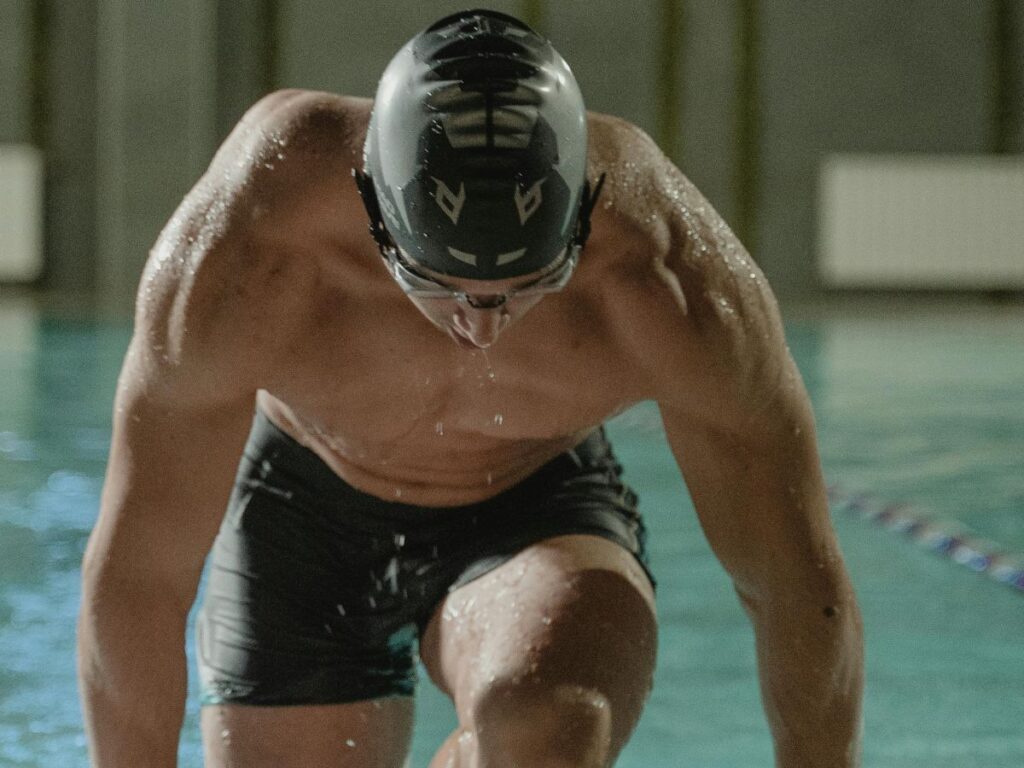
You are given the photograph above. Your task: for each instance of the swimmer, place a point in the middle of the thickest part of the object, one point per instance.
(432, 301)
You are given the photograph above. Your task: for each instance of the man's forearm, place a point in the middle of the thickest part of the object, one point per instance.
(810, 659)
(133, 680)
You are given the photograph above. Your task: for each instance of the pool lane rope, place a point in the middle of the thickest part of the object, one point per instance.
(943, 537)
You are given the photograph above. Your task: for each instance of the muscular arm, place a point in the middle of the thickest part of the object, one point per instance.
(760, 498)
(218, 300)
(172, 460)
(703, 323)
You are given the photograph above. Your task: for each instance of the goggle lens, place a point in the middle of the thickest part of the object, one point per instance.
(415, 283)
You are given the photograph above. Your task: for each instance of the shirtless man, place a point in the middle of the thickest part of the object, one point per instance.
(426, 463)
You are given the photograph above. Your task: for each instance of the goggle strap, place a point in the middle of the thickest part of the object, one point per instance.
(587, 205)
(368, 194)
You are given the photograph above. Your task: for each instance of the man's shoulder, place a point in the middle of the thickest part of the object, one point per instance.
(292, 139)
(687, 279)
(295, 113)
(212, 304)
(664, 225)
(224, 279)
(616, 142)
(317, 119)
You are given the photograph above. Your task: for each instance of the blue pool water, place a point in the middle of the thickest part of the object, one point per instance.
(927, 410)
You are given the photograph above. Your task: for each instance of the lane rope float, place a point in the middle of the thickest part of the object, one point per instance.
(947, 538)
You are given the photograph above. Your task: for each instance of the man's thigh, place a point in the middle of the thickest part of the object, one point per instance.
(368, 734)
(569, 618)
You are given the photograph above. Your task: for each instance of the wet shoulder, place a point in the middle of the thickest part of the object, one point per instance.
(696, 300)
(290, 149)
(227, 276)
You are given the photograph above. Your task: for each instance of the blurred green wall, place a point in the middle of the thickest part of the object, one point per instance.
(129, 98)
(15, 75)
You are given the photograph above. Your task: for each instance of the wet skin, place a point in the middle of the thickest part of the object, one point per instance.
(476, 321)
(265, 285)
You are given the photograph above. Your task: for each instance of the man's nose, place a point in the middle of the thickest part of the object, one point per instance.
(482, 326)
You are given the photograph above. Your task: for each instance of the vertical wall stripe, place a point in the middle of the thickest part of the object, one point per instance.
(39, 105)
(667, 80)
(111, 142)
(748, 124)
(202, 63)
(39, 74)
(1005, 77)
(271, 33)
(533, 14)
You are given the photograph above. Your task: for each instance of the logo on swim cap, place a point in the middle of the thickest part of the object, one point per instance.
(477, 148)
(528, 203)
(448, 201)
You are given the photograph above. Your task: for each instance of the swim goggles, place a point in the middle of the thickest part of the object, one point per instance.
(420, 285)
(415, 283)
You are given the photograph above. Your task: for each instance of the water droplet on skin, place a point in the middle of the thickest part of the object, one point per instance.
(498, 419)
(439, 428)
(399, 540)
(490, 479)
(398, 493)
(349, 743)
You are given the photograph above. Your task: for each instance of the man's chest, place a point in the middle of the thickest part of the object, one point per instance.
(400, 378)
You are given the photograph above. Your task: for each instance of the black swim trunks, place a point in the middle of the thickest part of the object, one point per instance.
(317, 592)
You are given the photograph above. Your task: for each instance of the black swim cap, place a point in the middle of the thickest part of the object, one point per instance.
(477, 148)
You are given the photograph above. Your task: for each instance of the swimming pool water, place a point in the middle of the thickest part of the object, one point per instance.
(928, 411)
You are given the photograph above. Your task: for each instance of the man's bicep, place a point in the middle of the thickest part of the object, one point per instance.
(174, 451)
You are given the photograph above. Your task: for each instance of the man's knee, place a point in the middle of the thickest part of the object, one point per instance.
(564, 688)
(521, 723)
